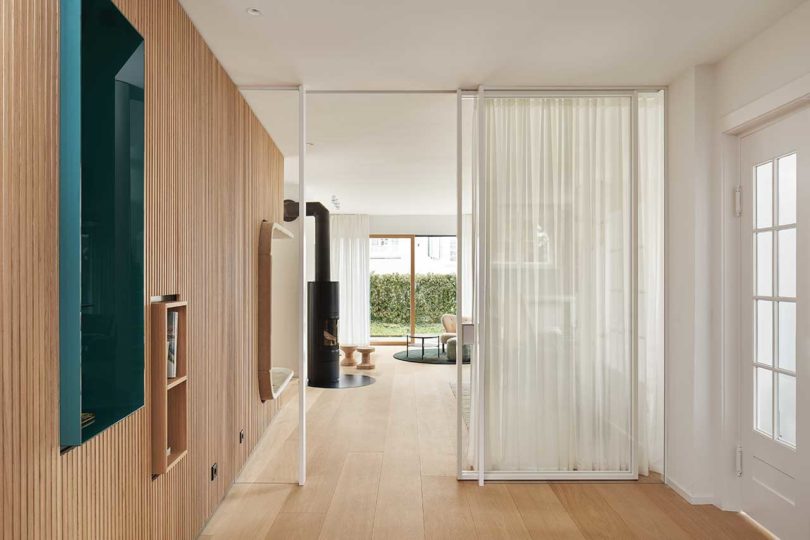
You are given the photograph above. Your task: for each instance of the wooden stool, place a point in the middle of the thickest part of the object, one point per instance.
(366, 352)
(348, 355)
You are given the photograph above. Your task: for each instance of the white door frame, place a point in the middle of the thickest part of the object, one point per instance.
(758, 113)
(303, 376)
(479, 255)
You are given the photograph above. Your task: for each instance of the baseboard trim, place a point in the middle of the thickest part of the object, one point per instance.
(691, 499)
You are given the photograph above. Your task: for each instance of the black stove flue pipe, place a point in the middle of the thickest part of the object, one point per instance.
(323, 270)
(323, 353)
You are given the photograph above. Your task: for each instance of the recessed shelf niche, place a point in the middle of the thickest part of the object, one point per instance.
(272, 380)
(169, 395)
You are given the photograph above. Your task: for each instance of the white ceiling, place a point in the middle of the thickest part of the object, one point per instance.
(395, 154)
(422, 44)
(391, 154)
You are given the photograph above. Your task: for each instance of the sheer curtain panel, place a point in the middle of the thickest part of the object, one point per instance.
(559, 284)
(651, 282)
(350, 267)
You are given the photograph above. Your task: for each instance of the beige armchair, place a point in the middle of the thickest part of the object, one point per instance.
(449, 325)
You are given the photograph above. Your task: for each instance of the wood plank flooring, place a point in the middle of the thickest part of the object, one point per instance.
(382, 466)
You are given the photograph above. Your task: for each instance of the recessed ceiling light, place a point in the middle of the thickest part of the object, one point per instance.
(253, 11)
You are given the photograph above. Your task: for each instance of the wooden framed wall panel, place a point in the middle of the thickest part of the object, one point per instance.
(211, 172)
(28, 314)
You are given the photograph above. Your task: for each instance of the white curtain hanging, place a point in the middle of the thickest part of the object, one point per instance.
(651, 282)
(558, 375)
(350, 268)
(466, 266)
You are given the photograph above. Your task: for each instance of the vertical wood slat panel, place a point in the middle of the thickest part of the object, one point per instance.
(212, 174)
(28, 195)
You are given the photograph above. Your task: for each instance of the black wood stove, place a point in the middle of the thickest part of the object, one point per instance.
(323, 346)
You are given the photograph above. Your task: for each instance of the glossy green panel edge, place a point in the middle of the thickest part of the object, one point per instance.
(70, 223)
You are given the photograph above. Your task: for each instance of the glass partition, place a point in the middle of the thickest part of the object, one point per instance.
(558, 286)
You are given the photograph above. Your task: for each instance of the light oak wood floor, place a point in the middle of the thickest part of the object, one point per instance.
(382, 465)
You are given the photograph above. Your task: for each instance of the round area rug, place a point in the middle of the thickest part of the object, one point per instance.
(432, 356)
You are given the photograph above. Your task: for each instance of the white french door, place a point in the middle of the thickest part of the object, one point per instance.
(775, 252)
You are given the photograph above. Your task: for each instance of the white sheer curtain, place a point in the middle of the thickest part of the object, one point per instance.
(651, 282)
(466, 266)
(350, 268)
(558, 356)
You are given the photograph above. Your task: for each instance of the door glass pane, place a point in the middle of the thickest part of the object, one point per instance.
(764, 202)
(787, 190)
(787, 263)
(764, 248)
(390, 288)
(787, 409)
(787, 335)
(764, 400)
(765, 332)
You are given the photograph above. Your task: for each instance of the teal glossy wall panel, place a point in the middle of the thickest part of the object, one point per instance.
(112, 284)
(70, 223)
(102, 295)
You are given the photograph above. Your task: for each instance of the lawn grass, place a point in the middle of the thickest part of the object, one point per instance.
(381, 329)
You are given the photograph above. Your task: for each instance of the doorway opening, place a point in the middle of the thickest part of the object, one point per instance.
(548, 276)
(412, 287)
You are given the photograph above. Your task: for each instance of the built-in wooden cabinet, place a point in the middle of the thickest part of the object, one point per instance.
(169, 395)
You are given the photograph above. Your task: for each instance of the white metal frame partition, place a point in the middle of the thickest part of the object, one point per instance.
(302, 277)
(479, 253)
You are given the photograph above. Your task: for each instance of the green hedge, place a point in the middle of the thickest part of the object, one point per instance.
(390, 297)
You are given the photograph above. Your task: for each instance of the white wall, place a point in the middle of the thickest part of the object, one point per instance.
(688, 288)
(419, 225)
(702, 261)
(285, 324)
(775, 57)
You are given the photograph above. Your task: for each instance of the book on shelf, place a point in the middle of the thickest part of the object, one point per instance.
(171, 343)
(88, 418)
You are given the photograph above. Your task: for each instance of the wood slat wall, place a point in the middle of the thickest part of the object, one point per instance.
(212, 175)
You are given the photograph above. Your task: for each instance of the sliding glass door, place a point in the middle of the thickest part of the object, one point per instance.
(434, 283)
(391, 269)
(553, 243)
(412, 285)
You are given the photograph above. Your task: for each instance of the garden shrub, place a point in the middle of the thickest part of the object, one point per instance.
(390, 302)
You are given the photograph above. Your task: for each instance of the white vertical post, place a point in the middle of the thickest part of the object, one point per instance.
(459, 282)
(302, 291)
(634, 269)
(481, 283)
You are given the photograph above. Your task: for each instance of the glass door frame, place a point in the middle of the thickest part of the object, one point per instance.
(412, 238)
(479, 284)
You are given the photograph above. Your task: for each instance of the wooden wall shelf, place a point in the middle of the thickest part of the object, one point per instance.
(272, 381)
(169, 395)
